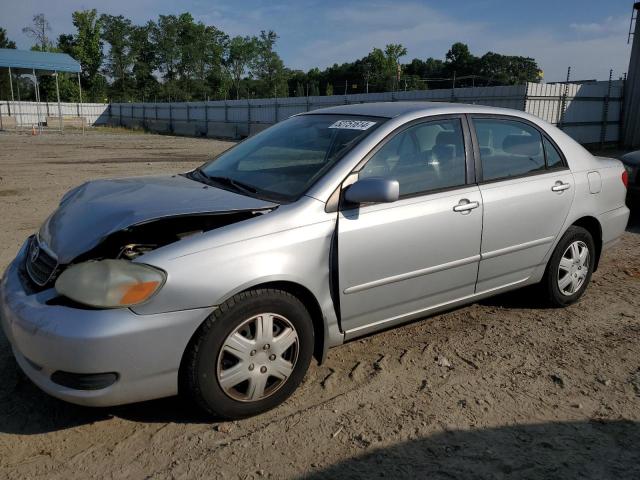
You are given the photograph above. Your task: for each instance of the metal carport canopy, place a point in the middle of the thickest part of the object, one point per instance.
(31, 60)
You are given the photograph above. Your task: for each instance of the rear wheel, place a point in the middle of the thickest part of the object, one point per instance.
(570, 267)
(250, 355)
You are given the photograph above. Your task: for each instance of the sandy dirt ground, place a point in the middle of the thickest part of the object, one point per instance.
(501, 389)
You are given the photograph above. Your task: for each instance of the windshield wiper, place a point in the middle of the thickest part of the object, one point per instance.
(228, 181)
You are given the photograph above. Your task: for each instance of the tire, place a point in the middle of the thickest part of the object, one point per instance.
(567, 277)
(234, 345)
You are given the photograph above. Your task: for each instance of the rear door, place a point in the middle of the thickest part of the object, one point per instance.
(527, 191)
(403, 258)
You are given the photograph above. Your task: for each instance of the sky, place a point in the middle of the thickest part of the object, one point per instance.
(588, 35)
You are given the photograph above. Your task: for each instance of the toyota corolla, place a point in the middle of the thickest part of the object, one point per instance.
(224, 282)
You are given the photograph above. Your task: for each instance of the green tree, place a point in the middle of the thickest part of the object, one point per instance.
(241, 53)
(5, 88)
(165, 38)
(66, 43)
(460, 62)
(116, 31)
(4, 40)
(38, 30)
(202, 48)
(144, 61)
(508, 70)
(87, 49)
(268, 67)
(393, 52)
(329, 90)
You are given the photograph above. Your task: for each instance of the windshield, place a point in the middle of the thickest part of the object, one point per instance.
(283, 162)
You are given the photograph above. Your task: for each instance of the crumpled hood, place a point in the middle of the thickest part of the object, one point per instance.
(94, 210)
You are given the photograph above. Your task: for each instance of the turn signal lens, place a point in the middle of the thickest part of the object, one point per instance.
(138, 292)
(625, 178)
(110, 283)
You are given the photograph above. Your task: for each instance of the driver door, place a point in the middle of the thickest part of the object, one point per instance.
(399, 260)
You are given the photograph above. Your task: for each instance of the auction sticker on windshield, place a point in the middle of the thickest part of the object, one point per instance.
(353, 124)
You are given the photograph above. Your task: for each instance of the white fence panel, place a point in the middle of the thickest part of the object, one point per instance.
(590, 112)
(27, 114)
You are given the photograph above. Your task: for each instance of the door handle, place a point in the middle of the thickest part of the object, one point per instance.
(560, 187)
(465, 206)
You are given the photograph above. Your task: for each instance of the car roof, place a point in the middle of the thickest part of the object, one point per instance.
(396, 109)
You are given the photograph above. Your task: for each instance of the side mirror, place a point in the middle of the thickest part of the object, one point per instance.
(373, 190)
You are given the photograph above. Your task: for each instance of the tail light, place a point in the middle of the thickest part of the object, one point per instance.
(625, 178)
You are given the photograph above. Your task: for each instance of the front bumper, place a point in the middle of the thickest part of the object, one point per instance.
(144, 350)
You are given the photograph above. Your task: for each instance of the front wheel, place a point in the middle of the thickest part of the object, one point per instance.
(570, 267)
(250, 355)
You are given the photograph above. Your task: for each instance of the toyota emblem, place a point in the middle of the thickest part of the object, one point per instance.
(35, 251)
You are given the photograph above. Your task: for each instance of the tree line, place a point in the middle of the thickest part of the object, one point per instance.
(176, 58)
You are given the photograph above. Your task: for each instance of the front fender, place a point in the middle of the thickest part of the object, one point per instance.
(211, 276)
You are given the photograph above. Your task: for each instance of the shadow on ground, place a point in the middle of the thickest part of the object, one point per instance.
(587, 450)
(26, 410)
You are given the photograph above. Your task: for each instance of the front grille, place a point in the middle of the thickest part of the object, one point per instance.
(41, 266)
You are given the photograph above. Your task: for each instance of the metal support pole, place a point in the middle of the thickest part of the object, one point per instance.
(60, 123)
(621, 125)
(80, 105)
(35, 81)
(206, 118)
(563, 99)
(605, 112)
(12, 100)
(19, 103)
(275, 120)
(248, 118)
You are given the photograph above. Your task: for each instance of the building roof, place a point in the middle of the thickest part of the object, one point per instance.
(29, 60)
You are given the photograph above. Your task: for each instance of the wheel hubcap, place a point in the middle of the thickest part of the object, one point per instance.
(573, 269)
(258, 357)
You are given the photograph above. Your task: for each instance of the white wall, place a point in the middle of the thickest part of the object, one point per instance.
(585, 107)
(27, 113)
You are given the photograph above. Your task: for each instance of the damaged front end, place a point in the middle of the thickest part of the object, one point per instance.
(125, 219)
(43, 268)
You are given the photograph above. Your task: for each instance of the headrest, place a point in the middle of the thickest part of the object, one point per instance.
(447, 138)
(526, 145)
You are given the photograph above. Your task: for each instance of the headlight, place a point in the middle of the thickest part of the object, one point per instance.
(110, 283)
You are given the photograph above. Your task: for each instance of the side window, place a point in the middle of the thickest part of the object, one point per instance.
(428, 156)
(553, 156)
(508, 148)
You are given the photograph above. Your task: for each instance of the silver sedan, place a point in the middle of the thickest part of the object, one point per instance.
(222, 283)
